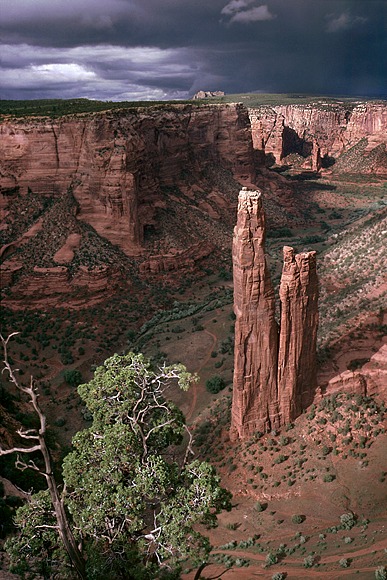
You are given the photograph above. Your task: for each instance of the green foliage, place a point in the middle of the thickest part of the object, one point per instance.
(381, 573)
(271, 559)
(347, 521)
(37, 546)
(284, 232)
(215, 384)
(225, 274)
(298, 519)
(344, 562)
(73, 377)
(134, 504)
(309, 561)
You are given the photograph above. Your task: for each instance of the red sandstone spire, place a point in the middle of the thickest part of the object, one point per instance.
(254, 405)
(298, 333)
(272, 383)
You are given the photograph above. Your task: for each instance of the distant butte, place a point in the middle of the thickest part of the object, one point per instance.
(274, 377)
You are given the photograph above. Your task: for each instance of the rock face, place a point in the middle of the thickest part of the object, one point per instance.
(273, 379)
(207, 94)
(297, 372)
(117, 161)
(370, 380)
(128, 173)
(320, 133)
(255, 398)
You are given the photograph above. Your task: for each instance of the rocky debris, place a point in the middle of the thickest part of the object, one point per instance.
(65, 254)
(185, 259)
(254, 406)
(8, 269)
(273, 380)
(57, 282)
(321, 132)
(370, 380)
(297, 372)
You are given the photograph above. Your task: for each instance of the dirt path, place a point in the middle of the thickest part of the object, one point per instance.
(297, 566)
(196, 385)
(322, 559)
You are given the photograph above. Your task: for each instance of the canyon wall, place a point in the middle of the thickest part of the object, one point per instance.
(117, 161)
(274, 380)
(319, 133)
(125, 173)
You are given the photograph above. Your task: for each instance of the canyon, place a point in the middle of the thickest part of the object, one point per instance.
(134, 174)
(318, 135)
(114, 173)
(117, 234)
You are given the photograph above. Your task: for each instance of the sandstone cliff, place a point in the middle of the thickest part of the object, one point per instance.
(110, 181)
(320, 133)
(273, 380)
(117, 161)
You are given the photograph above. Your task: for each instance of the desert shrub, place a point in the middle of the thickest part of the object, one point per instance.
(298, 519)
(178, 329)
(60, 422)
(279, 576)
(260, 507)
(215, 384)
(344, 562)
(283, 232)
(271, 559)
(225, 274)
(312, 239)
(347, 521)
(308, 561)
(73, 378)
(328, 477)
(232, 526)
(280, 459)
(381, 573)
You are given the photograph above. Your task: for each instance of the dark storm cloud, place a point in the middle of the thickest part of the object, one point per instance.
(153, 49)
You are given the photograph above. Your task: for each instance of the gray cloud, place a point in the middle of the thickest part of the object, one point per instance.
(344, 22)
(139, 49)
(240, 11)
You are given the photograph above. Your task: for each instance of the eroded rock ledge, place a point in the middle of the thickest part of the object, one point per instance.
(274, 375)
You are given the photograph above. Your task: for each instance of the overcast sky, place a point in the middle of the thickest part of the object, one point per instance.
(168, 49)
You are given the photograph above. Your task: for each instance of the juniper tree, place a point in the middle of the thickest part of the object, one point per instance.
(131, 496)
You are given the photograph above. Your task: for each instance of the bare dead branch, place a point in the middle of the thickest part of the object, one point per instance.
(20, 450)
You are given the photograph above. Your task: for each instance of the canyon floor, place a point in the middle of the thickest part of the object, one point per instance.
(330, 462)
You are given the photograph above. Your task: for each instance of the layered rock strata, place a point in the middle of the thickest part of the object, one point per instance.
(117, 162)
(274, 379)
(321, 132)
(369, 381)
